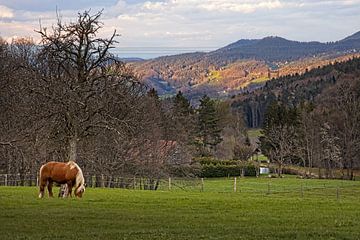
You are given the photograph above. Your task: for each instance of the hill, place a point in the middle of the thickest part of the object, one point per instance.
(242, 64)
(312, 86)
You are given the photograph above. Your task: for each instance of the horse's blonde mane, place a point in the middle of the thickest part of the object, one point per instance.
(80, 181)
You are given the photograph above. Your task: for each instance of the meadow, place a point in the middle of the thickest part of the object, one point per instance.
(262, 208)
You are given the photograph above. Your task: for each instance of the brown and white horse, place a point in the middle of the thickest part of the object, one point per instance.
(63, 173)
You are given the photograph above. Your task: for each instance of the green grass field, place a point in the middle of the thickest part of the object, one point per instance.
(215, 213)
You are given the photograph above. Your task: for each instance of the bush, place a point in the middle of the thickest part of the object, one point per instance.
(185, 170)
(211, 167)
(214, 161)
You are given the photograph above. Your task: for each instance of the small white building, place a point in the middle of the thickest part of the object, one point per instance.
(264, 170)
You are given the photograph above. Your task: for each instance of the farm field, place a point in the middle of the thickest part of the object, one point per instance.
(323, 209)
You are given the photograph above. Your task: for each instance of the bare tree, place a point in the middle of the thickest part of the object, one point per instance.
(343, 113)
(331, 150)
(83, 86)
(243, 153)
(15, 119)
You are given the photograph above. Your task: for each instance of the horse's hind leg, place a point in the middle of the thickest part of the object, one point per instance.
(42, 188)
(50, 189)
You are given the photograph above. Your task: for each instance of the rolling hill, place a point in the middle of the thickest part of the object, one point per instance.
(239, 65)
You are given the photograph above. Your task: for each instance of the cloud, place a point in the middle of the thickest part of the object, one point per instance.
(6, 12)
(191, 23)
(241, 7)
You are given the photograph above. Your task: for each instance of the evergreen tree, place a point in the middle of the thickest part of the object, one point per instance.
(153, 95)
(208, 126)
(183, 119)
(182, 108)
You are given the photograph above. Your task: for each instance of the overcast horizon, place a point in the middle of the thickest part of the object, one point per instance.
(154, 28)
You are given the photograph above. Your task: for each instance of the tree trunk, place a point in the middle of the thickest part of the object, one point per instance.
(279, 170)
(73, 149)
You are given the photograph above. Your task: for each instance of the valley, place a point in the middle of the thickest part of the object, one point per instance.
(241, 66)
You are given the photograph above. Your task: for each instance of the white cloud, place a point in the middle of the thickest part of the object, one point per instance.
(196, 23)
(157, 6)
(126, 17)
(241, 7)
(6, 12)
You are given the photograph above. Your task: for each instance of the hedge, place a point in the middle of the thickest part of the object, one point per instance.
(211, 170)
(212, 167)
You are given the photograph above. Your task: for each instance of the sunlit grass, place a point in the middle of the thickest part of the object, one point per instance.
(260, 80)
(262, 208)
(254, 132)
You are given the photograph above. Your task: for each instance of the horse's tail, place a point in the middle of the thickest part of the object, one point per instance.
(41, 173)
(41, 181)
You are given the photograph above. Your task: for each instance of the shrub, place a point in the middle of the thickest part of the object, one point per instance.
(211, 167)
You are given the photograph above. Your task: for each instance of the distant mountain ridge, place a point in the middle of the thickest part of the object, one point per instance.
(246, 62)
(280, 49)
(355, 36)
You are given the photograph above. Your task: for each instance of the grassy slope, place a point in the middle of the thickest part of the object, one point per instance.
(214, 214)
(254, 134)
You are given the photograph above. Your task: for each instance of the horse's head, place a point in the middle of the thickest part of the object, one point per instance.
(79, 180)
(80, 191)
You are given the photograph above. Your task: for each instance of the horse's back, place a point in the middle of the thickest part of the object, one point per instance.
(57, 171)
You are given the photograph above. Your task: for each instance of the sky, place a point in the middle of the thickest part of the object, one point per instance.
(164, 27)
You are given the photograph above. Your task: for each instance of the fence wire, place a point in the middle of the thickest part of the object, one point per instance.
(336, 189)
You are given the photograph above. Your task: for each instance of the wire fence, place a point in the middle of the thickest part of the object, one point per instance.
(336, 189)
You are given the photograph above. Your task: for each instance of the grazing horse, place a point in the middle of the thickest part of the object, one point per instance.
(63, 173)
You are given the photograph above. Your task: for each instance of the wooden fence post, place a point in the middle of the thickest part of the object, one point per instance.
(268, 192)
(235, 184)
(202, 184)
(169, 183)
(93, 183)
(110, 179)
(102, 181)
(5, 179)
(302, 191)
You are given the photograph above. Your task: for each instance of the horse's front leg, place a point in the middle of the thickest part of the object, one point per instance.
(50, 189)
(69, 186)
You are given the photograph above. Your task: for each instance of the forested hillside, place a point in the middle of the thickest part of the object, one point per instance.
(243, 64)
(311, 120)
(295, 89)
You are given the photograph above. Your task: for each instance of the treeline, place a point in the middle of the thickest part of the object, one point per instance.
(69, 98)
(312, 120)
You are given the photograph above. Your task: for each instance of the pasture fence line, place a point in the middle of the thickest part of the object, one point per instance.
(262, 186)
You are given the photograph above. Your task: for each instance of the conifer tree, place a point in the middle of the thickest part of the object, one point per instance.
(183, 119)
(208, 127)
